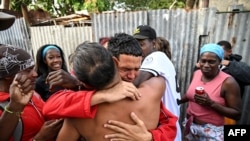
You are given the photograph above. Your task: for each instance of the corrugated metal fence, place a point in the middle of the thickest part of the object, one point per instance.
(66, 37)
(17, 35)
(185, 30)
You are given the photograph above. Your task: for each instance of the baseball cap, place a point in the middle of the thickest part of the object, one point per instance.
(144, 32)
(6, 20)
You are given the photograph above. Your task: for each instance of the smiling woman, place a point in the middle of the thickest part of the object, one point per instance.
(49, 57)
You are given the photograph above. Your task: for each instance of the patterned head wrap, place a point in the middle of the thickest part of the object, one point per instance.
(13, 60)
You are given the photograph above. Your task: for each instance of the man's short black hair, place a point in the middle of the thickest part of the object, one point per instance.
(123, 43)
(226, 44)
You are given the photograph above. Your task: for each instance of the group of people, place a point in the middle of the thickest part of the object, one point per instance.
(125, 91)
(101, 77)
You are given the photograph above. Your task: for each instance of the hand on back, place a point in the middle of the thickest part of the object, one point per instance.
(122, 90)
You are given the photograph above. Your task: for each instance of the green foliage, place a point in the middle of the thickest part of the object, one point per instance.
(66, 7)
(90, 6)
(16, 4)
(98, 6)
(103, 5)
(152, 4)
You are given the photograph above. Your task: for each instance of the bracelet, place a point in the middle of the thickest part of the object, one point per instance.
(18, 114)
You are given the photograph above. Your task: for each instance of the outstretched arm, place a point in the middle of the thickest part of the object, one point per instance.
(66, 80)
(80, 104)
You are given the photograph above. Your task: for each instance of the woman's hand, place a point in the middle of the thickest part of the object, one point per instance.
(203, 99)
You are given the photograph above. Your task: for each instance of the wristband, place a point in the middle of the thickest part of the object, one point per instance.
(18, 114)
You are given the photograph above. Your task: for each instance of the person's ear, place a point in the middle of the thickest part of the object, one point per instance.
(116, 61)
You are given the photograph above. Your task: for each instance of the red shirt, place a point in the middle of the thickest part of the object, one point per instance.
(32, 119)
(68, 103)
(167, 129)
